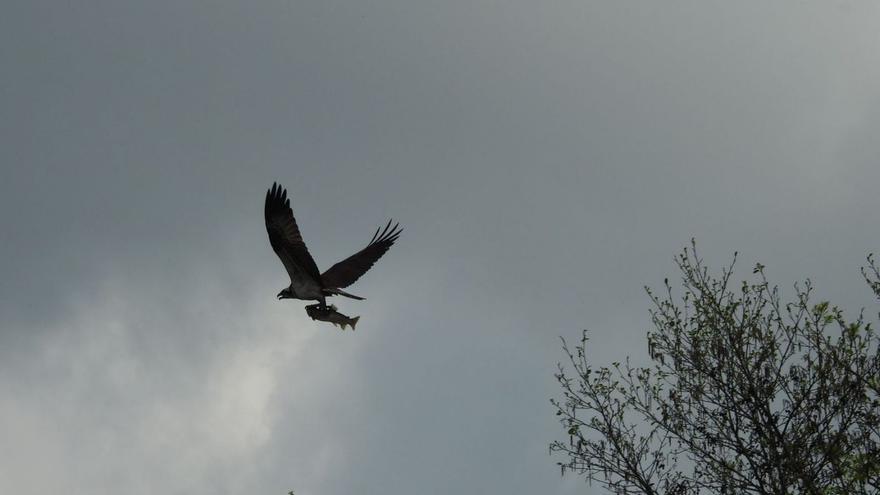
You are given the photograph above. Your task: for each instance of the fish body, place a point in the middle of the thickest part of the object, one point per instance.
(330, 314)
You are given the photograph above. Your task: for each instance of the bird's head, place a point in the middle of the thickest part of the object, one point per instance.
(285, 294)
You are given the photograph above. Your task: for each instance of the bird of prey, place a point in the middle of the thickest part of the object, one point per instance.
(306, 282)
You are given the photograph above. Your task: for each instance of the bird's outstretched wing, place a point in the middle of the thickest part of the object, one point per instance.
(285, 237)
(347, 271)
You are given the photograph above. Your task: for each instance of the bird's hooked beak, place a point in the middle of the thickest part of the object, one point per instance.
(280, 295)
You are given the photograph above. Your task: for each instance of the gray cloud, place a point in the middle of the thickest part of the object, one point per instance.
(546, 162)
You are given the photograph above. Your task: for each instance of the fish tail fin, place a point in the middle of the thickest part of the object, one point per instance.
(353, 322)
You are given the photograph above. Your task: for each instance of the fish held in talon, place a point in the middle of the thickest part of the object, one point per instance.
(332, 315)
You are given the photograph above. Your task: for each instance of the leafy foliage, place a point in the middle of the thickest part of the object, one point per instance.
(745, 394)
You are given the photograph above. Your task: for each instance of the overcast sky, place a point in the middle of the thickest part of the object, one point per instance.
(547, 160)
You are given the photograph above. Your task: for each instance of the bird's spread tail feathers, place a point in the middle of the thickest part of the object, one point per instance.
(353, 322)
(340, 292)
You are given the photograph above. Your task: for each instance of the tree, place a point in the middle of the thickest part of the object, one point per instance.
(743, 394)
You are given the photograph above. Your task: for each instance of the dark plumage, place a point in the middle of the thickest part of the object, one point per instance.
(306, 282)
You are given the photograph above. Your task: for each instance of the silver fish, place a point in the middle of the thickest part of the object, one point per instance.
(330, 314)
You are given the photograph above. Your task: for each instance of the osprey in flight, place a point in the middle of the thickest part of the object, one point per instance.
(306, 282)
